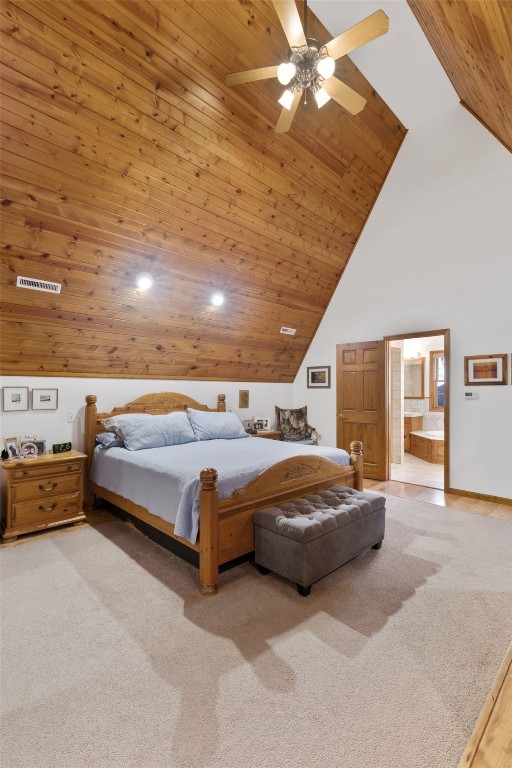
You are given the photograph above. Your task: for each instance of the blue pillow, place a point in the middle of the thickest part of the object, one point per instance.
(211, 425)
(142, 430)
(109, 440)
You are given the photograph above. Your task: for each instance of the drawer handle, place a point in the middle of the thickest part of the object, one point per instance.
(47, 509)
(51, 487)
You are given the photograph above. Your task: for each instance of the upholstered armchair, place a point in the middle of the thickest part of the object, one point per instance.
(294, 427)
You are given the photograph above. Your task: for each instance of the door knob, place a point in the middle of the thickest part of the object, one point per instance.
(340, 416)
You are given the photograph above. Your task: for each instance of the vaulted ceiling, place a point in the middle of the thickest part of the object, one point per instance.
(123, 151)
(473, 41)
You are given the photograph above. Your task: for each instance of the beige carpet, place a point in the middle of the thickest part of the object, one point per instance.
(111, 658)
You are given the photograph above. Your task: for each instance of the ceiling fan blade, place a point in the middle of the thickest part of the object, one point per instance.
(349, 99)
(290, 21)
(250, 75)
(287, 115)
(366, 30)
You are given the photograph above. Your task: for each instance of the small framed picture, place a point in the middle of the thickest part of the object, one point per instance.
(15, 399)
(262, 423)
(44, 399)
(485, 369)
(12, 447)
(319, 377)
(32, 447)
(243, 398)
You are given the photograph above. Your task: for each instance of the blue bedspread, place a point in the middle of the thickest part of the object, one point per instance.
(166, 480)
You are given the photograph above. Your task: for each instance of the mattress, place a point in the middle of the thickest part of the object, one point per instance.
(166, 480)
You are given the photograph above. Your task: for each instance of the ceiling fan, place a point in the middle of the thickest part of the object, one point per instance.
(311, 65)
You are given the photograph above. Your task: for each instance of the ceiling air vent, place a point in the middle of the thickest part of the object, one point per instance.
(288, 331)
(37, 285)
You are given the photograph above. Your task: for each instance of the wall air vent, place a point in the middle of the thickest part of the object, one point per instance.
(37, 285)
(288, 331)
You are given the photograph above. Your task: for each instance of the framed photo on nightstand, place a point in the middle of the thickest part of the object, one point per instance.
(12, 447)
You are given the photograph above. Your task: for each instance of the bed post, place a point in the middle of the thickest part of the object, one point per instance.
(356, 459)
(221, 402)
(208, 532)
(91, 413)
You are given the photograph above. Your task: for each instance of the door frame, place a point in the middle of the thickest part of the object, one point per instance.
(445, 332)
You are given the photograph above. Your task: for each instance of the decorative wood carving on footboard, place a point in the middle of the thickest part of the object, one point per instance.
(226, 530)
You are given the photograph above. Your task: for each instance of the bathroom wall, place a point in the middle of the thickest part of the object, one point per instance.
(422, 347)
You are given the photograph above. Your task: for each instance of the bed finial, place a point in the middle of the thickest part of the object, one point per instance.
(221, 402)
(91, 413)
(356, 459)
(208, 532)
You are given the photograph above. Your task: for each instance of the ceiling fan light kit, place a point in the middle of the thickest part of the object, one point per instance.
(311, 65)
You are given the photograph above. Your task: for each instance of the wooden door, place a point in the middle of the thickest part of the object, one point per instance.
(361, 403)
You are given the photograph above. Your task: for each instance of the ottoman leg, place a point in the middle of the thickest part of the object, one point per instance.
(303, 591)
(378, 545)
(263, 570)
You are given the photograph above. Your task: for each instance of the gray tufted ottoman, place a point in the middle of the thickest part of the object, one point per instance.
(307, 538)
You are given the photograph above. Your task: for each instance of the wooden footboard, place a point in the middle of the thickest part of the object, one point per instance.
(225, 526)
(226, 529)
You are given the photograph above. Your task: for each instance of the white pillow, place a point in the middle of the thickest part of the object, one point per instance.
(211, 425)
(142, 430)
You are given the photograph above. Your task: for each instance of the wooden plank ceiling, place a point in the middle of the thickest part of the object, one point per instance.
(123, 151)
(473, 41)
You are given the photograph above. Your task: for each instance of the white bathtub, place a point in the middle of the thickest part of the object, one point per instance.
(433, 434)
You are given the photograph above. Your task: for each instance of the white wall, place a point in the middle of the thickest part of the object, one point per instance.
(53, 427)
(436, 253)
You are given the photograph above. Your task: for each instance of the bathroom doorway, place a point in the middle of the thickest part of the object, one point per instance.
(418, 408)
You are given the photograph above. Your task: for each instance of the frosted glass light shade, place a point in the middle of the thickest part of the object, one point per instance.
(217, 299)
(144, 281)
(325, 67)
(286, 99)
(322, 97)
(285, 72)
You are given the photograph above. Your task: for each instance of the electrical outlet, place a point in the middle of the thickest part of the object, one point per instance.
(71, 416)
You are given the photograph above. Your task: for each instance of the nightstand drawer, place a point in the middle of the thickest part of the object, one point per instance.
(48, 485)
(36, 470)
(45, 510)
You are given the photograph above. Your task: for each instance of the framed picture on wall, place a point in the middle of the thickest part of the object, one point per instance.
(485, 369)
(44, 399)
(15, 399)
(319, 377)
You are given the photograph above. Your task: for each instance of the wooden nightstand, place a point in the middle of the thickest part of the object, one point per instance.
(43, 492)
(270, 435)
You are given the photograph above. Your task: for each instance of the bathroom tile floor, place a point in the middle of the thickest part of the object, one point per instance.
(418, 472)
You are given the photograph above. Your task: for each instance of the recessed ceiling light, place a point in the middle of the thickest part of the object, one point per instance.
(217, 299)
(144, 281)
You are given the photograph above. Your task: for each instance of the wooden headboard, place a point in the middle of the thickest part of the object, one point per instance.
(155, 403)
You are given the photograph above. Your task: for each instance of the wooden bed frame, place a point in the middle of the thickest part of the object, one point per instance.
(226, 529)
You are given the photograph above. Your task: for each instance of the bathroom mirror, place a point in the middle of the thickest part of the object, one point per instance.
(414, 376)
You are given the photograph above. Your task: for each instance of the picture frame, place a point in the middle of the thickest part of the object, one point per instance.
(319, 377)
(30, 448)
(15, 399)
(12, 447)
(243, 398)
(45, 399)
(484, 370)
(262, 423)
